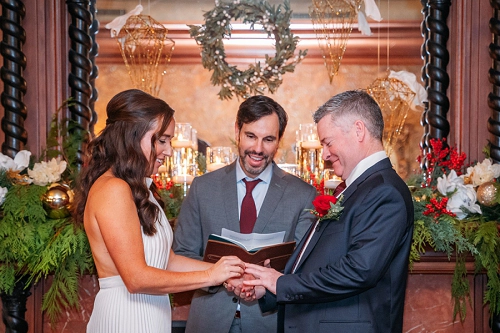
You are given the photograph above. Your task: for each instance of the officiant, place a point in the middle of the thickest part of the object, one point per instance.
(250, 195)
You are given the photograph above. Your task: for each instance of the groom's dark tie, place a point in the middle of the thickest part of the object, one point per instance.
(340, 187)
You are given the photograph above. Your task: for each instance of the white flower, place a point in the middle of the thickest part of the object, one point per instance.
(44, 173)
(460, 195)
(448, 184)
(3, 194)
(464, 197)
(19, 163)
(483, 172)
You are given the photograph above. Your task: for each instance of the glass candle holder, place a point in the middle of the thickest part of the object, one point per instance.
(183, 175)
(182, 136)
(331, 181)
(309, 136)
(217, 157)
(309, 153)
(194, 139)
(183, 169)
(290, 168)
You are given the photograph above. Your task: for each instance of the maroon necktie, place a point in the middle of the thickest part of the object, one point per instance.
(248, 214)
(340, 187)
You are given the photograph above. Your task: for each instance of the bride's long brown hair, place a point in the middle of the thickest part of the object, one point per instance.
(130, 115)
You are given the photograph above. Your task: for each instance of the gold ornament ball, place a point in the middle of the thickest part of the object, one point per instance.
(487, 193)
(57, 200)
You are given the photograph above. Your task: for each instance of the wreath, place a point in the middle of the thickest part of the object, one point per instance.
(257, 77)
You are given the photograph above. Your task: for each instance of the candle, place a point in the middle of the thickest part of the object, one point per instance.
(288, 167)
(332, 183)
(214, 166)
(162, 169)
(181, 143)
(311, 144)
(179, 179)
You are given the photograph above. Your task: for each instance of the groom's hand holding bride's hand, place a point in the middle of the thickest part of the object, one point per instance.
(265, 276)
(236, 286)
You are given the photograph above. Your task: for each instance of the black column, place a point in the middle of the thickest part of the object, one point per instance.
(436, 79)
(14, 63)
(494, 77)
(81, 67)
(94, 51)
(14, 308)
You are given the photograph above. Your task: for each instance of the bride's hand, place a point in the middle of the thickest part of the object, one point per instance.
(224, 269)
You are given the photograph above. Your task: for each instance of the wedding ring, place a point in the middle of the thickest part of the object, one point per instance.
(225, 285)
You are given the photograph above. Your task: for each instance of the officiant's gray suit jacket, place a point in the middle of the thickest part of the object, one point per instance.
(212, 204)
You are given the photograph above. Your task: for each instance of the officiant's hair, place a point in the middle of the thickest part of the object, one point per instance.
(353, 104)
(131, 114)
(256, 107)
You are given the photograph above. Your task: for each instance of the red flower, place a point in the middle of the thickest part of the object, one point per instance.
(322, 204)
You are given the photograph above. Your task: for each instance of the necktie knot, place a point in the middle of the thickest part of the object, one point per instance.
(250, 184)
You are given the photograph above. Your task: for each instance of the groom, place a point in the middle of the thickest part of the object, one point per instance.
(351, 273)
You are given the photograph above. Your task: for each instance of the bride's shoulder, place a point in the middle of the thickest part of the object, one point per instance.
(108, 184)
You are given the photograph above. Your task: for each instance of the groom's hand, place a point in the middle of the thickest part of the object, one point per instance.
(264, 276)
(236, 286)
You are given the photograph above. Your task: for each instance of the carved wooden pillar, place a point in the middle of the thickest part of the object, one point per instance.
(425, 79)
(436, 79)
(14, 63)
(94, 51)
(14, 308)
(494, 104)
(494, 77)
(81, 67)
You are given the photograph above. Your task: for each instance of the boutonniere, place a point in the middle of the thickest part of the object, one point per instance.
(327, 207)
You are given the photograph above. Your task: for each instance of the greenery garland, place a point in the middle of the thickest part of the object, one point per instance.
(474, 235)
(34, 244)
(257, 77)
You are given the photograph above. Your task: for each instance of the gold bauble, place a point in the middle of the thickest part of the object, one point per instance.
(487, 193)
(57, 201)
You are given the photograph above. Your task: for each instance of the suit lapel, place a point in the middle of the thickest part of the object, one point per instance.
(229, 193)
(271, 201)
(296, 252)
(383, 164)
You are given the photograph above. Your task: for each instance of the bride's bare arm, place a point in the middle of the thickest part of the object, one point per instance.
(115, 236)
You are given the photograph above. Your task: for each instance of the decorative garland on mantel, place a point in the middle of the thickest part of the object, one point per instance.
(257, 77)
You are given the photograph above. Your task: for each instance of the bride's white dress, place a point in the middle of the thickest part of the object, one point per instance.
(117, 310)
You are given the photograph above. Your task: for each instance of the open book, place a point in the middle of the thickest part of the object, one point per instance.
(250, 242)
(252, 248)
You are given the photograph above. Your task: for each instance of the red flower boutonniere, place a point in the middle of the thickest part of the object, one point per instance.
(327, 207)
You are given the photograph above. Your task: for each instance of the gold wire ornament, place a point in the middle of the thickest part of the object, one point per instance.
(146, 51)
(332, 21)
(394, 98)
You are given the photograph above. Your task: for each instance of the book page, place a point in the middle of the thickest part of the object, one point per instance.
(253, 241)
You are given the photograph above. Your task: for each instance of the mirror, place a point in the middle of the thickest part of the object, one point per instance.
(395, 44)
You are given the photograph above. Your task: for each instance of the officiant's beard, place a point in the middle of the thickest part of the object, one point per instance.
(255, 171)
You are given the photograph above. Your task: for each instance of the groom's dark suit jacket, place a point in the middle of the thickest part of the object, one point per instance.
(352, 276)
